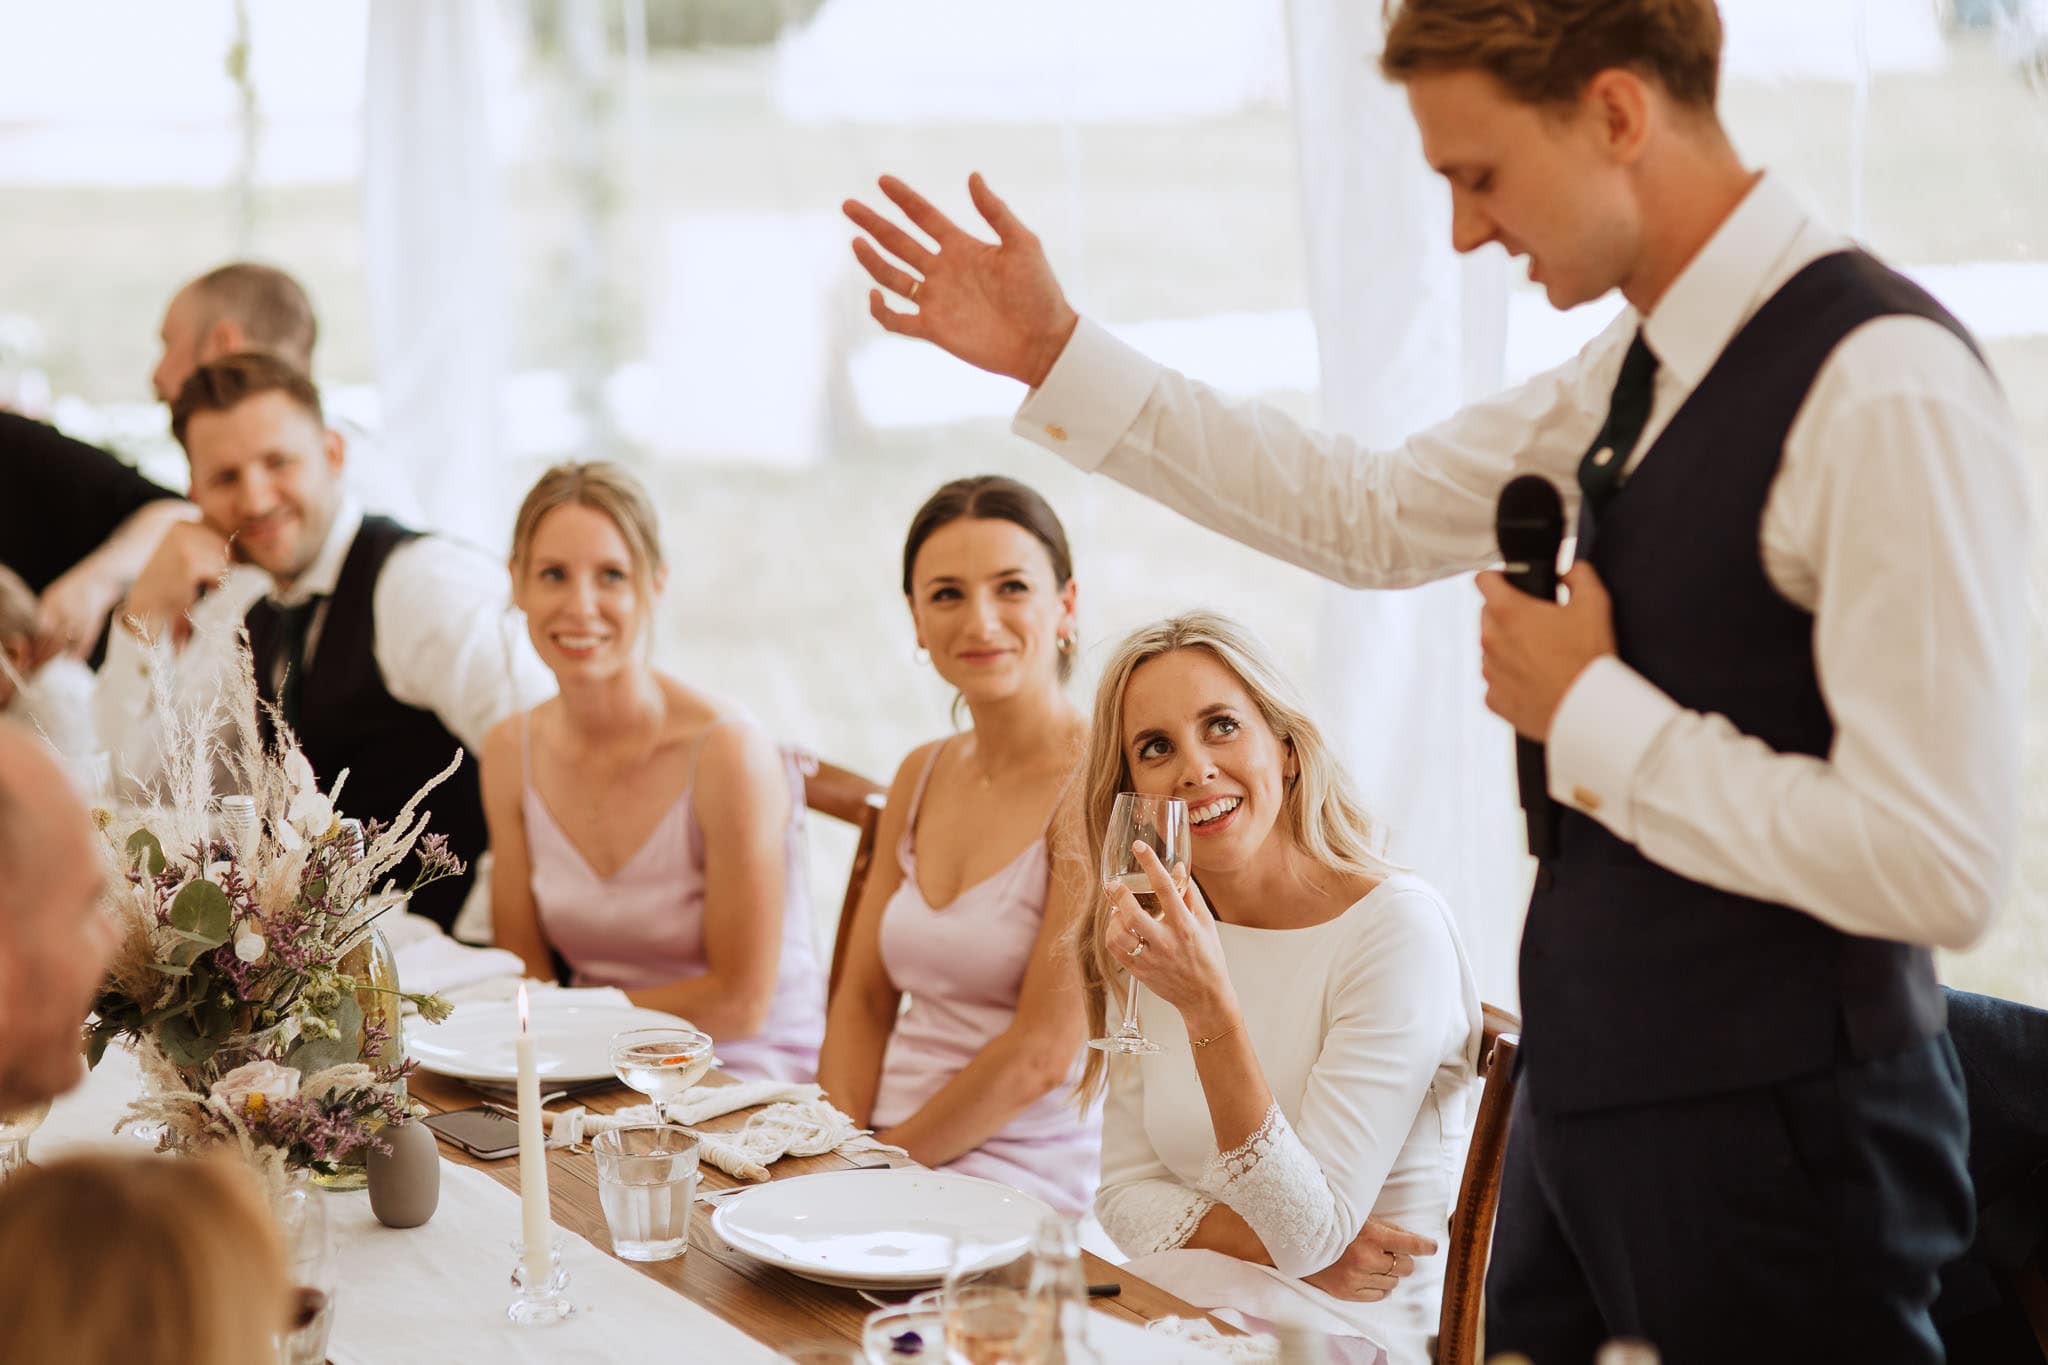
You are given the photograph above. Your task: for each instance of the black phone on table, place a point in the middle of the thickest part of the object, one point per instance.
(484, 1133)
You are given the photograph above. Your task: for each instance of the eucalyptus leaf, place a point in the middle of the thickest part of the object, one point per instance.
(96, 1046)
(201, 913)
(172, 968)
(145, 849)
(182, 1043)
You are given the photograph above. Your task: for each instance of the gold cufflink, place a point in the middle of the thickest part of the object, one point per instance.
(1585, 799)
(1603, 455)
(1056, 431)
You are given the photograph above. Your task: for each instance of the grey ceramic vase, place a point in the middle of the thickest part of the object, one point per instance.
(405, 1183)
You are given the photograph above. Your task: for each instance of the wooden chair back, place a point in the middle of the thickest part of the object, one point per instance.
(845, 795)
(1471, 1230)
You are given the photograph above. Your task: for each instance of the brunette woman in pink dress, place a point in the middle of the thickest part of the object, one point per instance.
(639, 829)
(966, 920)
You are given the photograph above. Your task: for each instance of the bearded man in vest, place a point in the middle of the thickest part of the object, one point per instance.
(1781, 705)
(386, 651)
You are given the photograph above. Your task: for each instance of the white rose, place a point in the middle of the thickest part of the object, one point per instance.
(254, 1086)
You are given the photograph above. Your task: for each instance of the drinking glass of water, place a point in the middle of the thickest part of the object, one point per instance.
(661, 1063)
(647, 1180)
(1162, 823)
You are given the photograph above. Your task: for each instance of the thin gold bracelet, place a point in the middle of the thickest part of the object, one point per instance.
(1217, 1038)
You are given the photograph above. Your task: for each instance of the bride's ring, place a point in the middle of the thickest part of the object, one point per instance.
(914, 286)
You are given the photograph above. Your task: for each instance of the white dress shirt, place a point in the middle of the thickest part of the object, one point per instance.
(446, 641)
(1900, 518)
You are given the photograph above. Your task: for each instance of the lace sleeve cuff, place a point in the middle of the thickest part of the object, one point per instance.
(1151, 1215)
(1276, 1185)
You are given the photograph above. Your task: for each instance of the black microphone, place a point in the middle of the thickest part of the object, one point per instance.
(1529, 524)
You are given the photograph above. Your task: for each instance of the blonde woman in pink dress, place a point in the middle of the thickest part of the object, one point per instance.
(965, 921)
(638, 830)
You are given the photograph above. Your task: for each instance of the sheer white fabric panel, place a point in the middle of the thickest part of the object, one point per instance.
(1407, 331)
(432, 219)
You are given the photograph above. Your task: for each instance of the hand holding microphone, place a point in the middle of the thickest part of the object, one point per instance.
(1534, 649)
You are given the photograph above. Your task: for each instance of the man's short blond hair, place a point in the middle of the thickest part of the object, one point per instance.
(1545, 51)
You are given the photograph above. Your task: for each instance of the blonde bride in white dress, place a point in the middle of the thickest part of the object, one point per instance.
(1293, 1152)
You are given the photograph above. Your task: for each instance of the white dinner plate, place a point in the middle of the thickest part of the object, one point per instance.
(879, 1229)
(572, 1038)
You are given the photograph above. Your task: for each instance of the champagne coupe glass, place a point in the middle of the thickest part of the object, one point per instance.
(662, 1062)
(1161, 822)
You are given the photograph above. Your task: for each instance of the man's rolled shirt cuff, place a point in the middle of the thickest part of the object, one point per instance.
(1602, 731)
(1089, 399)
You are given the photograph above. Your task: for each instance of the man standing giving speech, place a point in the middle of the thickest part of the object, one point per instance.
(1780, 708)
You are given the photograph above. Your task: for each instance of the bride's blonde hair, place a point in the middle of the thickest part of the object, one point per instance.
(1319, 813)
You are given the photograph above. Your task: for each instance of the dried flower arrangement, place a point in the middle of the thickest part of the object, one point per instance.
(229, 979)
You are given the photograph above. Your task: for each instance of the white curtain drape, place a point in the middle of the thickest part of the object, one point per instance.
(436, 283)
(1407, 332)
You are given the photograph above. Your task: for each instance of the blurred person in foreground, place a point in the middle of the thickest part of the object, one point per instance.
(384, 650)
(1780, 707)
(54, 941)
(138, 1259)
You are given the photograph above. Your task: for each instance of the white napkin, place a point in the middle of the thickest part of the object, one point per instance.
(439, 964)
(1173, 1341)
(1250, 1350)
(506, 987)
(798, 1121)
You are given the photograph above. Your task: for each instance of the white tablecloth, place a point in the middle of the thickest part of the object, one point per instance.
(437, 1293)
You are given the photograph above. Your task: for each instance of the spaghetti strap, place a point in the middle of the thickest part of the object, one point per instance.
(906, 844)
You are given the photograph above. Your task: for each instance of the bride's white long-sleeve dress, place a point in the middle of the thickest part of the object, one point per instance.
(1367, 1028)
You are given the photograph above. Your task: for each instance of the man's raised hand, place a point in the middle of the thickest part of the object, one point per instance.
(996, 305)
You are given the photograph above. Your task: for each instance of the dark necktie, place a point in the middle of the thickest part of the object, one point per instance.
(293, 625)
(1600, 470)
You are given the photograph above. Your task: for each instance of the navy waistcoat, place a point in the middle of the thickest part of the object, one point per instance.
(349, 719)
(1638, 984)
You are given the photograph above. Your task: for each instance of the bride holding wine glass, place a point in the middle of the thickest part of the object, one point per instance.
(1289, 1147)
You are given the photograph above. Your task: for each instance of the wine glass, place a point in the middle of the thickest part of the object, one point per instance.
(16, 1127)
(1162, 823)
(661, 1062)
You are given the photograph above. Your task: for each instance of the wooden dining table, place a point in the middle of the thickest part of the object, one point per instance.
(769, 1304)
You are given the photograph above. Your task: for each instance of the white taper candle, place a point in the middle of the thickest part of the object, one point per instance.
(536, 1226)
